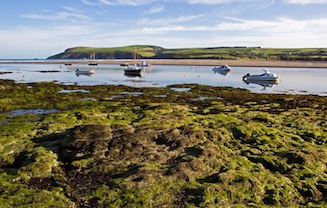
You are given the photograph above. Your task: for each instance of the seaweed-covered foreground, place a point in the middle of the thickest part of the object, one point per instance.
(180, 146)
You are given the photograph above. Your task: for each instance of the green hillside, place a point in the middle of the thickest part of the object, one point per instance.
(231, 53)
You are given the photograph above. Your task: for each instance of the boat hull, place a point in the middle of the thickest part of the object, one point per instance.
(223, 70)
(267, 76)
(256, 78)
(90, 72)
(136, 72)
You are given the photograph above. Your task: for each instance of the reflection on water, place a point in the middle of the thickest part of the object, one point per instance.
(20, 112)
(72, 91)
(38, 111)
(264, 84)
(181, 89)
(133, 76)
(293, 80)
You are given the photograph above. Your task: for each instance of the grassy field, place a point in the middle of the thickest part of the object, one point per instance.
(225, 53)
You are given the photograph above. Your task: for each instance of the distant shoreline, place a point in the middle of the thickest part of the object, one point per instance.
(189, 62)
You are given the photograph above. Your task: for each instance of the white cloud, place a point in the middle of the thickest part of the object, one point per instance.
(255, 1)
(71, 9)
(281, 32)
(306, 1)
(156, 9)
(57, 16)
(90, 3)
(207, 1)
(212, 2)
(279, 25)
(69, 14)
(168, 21)
(119, 2)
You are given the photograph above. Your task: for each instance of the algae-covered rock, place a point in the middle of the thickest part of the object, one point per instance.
(85, 141)
(160, 148)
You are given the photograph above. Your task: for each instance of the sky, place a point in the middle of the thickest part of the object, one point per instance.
(41, 28)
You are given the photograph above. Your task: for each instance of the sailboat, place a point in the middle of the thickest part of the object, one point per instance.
(133, 70)
(93, 63)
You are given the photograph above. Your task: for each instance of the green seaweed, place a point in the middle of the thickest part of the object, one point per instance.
(118, 146)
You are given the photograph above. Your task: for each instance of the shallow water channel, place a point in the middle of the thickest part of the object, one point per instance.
(293, 80)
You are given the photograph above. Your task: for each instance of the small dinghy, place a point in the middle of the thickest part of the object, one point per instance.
(89, 72)
(223, 70)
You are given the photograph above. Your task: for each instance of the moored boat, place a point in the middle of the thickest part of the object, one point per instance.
(266, 76)
(223, 70)
(89, 72)
(133, 70)
(94, 62)
(143, 64)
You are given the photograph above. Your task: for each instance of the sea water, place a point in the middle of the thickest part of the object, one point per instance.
(292, 80)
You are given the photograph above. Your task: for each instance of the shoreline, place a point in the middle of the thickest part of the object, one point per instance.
(189, 62)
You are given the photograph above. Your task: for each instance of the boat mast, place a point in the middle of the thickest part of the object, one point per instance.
(135, 56)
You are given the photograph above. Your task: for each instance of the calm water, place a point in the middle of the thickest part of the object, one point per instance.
(293, 80)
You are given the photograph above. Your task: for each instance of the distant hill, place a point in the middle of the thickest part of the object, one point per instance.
(230, 53)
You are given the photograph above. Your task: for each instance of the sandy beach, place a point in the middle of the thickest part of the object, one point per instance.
(244, 63)
(191, 62)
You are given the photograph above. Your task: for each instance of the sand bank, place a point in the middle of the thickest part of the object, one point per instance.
(245, 63)
(191, 62)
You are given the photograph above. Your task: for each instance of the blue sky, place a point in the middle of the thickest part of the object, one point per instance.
(38, 29)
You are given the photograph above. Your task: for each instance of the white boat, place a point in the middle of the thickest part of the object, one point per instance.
(224, 70)
(224, 67)
(266, 76)
(89, 72)
(143, 64)
(94, 62)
